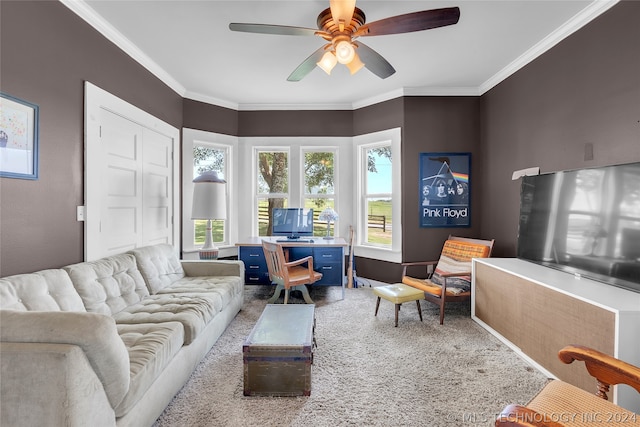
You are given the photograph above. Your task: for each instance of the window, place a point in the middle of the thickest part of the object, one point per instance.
(209, 157)
(204, 151)
(272, 185)
(318, 174)
(379, 196)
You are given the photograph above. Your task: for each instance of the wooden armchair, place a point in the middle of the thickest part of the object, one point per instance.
(289, 275)
(560, 404)
(449, 278)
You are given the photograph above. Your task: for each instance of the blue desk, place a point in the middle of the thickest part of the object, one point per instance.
(328, 259)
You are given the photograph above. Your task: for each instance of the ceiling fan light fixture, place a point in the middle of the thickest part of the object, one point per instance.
(342, 11)
(327, 62)
(355, 65)
(345, 52)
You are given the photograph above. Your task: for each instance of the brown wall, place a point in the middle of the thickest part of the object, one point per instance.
(437, 124)
(209, 118)
(47, 54)
(295, 123)
(586, 90)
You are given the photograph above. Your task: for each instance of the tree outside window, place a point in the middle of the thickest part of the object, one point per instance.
(319, 185)
(272, 187)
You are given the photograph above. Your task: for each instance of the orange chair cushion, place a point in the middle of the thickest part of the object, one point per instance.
(428, 286)
(455, 258)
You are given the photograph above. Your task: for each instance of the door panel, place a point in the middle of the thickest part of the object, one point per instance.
(157, 166)
(121, 205)
(131, 177)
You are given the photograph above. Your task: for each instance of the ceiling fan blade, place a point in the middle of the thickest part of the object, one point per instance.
(342, 10)
(374, 61)
(407, 23)
(272, 29)
(307, 65)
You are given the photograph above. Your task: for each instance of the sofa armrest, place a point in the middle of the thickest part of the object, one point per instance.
(607, 370)
(207, 268)
(95, 334)
(50, 385)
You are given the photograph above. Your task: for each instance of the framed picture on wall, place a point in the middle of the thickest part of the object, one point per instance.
(445, 191)
(18, 138)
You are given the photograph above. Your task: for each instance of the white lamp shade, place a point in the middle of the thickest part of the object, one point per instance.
(355, 65)
(342, 10)
(327, 62)
(345, 52)
(209, 199)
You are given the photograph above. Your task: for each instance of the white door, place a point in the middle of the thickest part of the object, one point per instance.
(121, 171)
(157, 154)
(131, 177)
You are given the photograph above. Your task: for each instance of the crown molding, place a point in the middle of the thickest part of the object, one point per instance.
(303, 107)
(441, 91)
(581, 19)
(593, 10)
(80, 8)
(211, 100)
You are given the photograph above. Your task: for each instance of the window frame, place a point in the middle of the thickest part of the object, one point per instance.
(333, 196)
(190, 139)
(362, 143)
(254, 182)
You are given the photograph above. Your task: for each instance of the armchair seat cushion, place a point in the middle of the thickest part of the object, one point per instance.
(580, 408)
(428, 286)
(455, 258)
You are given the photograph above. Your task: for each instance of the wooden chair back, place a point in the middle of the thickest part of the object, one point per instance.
(275, 258)
(287, 275)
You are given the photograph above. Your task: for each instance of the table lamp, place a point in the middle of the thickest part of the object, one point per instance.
(209, 202)
(328, 215)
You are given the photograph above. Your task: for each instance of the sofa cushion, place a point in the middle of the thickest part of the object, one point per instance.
(222, 288)
(108, 285)
(95, 333)
(151, 348)
(159, 265)
(46, 290)
(193, 311)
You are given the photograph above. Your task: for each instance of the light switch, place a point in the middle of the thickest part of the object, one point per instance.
(80, 213)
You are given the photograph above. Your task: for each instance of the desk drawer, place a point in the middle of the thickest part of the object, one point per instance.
(255, 265)
(331, 273)
(327, 255)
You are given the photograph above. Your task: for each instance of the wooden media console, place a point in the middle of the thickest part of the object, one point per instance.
(537, 311)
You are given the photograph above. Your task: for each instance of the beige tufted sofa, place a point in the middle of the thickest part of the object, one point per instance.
(109, 342)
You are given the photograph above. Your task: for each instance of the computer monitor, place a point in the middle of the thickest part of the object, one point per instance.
(292, 222)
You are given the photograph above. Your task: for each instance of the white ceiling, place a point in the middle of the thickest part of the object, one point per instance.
(189, 46)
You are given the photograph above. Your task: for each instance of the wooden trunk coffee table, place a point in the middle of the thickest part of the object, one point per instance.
(278, 353)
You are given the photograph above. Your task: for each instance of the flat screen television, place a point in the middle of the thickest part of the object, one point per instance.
(585, 222)
(292, 222)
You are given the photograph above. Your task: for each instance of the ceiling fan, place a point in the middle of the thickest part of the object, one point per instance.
(341, 24)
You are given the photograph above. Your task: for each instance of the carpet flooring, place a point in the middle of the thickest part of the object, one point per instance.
(366, 372)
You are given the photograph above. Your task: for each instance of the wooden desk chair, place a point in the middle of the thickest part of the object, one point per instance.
(289, 275)
(560, 404)
(449, 278)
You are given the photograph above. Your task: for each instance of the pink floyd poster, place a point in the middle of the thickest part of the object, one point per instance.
(445, 189)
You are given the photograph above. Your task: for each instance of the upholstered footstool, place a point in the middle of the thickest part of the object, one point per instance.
(397, 294)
